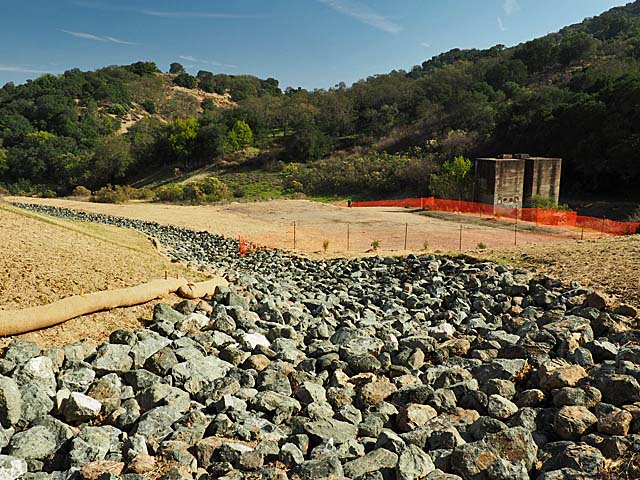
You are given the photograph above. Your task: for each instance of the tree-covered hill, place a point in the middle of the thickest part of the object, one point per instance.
(574, 93)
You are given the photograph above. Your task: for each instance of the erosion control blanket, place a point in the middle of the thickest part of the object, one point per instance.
(14, 322)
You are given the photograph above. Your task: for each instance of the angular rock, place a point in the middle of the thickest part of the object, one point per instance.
(413, 464)
(616, 423)
(12, 468)
(79, 407)
(573, 422)
(10, 402)
(374, 461)
(330, 429)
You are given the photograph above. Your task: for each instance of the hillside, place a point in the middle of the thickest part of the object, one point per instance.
(574, 94)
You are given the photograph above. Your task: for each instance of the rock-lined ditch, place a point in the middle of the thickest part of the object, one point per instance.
(376, 368)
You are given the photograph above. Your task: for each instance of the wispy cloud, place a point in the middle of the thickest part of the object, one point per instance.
(501, 25)
(425, 44)
(214, 63)
(121, 42)
(364, 14)
(22, 69)
(163, 13)
(96, 38)
(189, 14)
(510, 7)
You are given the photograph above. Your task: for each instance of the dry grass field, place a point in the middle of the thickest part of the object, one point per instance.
(611, 265)
(44, 259)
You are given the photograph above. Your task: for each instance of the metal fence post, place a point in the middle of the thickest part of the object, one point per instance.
(406, 230)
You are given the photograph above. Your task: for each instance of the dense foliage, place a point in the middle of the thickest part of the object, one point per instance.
(574, 94)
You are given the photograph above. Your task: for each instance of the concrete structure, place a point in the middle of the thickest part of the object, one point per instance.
(499, 181)
(541, 177)
(511, 180)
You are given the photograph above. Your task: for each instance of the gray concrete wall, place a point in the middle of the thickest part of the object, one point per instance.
(500, 181)
(542, 177)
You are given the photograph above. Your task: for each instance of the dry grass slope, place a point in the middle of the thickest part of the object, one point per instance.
(45, 259)
(611, 265)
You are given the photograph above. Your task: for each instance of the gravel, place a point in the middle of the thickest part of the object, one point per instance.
(374, 368)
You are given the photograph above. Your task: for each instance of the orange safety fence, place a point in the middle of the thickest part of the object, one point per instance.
(549, 217)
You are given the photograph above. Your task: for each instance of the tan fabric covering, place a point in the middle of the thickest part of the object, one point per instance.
(202, 289)
(13, 322)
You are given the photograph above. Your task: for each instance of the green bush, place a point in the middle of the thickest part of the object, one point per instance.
(149, 106)
(210, 189)
(138, 193)
(81, 191)
(169, 193)
(118, 109)
(546, 203)
(110, 194)
(47, 193)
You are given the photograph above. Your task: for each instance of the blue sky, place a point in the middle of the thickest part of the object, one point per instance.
(308, 43)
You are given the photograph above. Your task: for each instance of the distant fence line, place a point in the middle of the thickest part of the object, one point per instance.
(539, 216)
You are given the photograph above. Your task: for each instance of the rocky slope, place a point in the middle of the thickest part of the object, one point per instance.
(376, 368)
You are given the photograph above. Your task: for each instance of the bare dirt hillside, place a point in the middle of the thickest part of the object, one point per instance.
(44, 259)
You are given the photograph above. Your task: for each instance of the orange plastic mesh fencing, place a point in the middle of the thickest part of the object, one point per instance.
(560, 218)
(406, 202)
(550, 217)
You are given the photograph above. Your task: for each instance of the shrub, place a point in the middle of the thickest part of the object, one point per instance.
(482, 245)
(149, 106)
(214, 189)
(425, 245)
(375, 245)
(110, 194)
(192, 193)
(546, 203)
(118, 109)
(325, 245)
(144, 193)
(81, 191)
(169, 193)
(210, 189)
(47, 193)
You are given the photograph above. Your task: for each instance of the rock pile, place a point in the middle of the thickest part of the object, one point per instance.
(376, 368)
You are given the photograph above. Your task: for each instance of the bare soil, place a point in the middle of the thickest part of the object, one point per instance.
(608, 264)
(44, 259)
(611, 265)
(347, 230)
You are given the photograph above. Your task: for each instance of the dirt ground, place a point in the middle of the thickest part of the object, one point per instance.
(345, 229)
(43, 259)
(611, 265)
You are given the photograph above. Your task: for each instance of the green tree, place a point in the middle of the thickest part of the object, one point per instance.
(176, 68)
(181, 138)
(307, 143)
(43, 158)
(239, 137)
(185, 80)
(453, 181)
(577, 47)
(538, 54)
(109, 163)
(243, 133)
(4, 162)
(210, 142)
